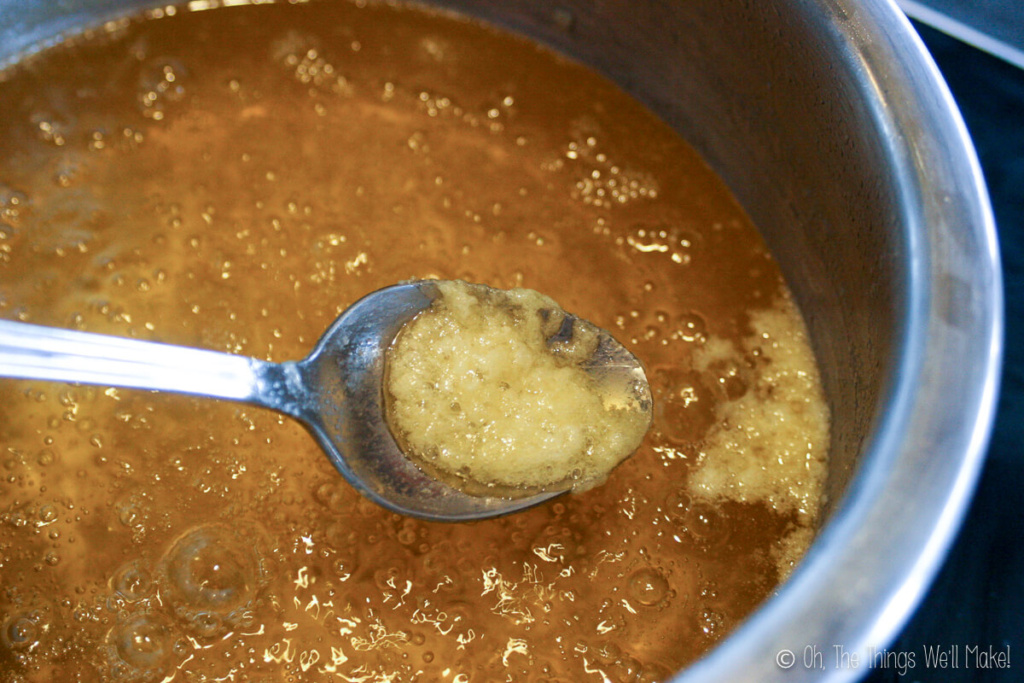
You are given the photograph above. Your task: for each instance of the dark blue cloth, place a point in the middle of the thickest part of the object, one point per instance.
(978, 597)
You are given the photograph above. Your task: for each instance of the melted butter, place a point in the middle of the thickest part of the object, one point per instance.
(233, 179)
(477, 392)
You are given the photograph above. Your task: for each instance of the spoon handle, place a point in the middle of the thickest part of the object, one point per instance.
(46, 353)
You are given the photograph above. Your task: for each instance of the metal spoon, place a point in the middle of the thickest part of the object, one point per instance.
(336, 392)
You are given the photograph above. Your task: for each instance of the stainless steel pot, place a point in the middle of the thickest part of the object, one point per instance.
(833, 127)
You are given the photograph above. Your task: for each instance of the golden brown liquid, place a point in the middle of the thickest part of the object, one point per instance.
(234, 179)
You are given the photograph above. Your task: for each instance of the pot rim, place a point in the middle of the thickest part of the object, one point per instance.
(949, 352)
(873, 561)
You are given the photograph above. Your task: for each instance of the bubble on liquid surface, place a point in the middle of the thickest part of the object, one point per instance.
(654, 673)
(206, 624)
(648, 586)
(141, 648)
(161, 83)
(685, 405)
(52, 127)
(692, 327)
(13, 204)
(132, 581)
(19, 632)
(732, 378)
(705, 523)
(677, 506)
(209, 570)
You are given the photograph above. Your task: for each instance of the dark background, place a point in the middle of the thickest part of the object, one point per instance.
(1001, 21)
(978, 597)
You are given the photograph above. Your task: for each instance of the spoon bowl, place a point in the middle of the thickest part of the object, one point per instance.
(336, 392)
(342, 380)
